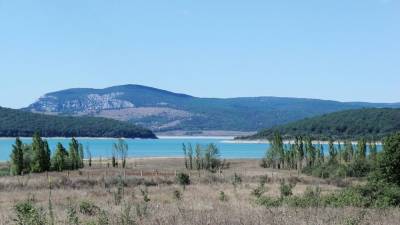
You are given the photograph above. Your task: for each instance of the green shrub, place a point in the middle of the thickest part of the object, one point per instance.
(286, 189)
(264, 179)
(28, 214)
(258, 192)
(264, 163)
(222, 196)
(4, 172)
(102, 218)
(359, 168)
(145, 194)
(141, 210)
(183, 179)
(126, 218)
(72, 215)
(269, 201)
(373, 194)
(88, 208)
(177, 195)
(344, 198)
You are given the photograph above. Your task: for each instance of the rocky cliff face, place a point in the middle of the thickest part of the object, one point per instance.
(90, 103)
(155, 114)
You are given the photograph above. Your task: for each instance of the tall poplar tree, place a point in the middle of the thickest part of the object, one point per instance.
(59, 161)
(39, 154)
(17, 158)
(373, 152)
(349, 151)
(73, 154)
(332, 152)
(47, 156)
(361, 149)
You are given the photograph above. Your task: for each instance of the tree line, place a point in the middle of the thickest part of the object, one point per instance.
(380, 189)
(17, 123)
(372, 123)
(302, 154)
(37, 157)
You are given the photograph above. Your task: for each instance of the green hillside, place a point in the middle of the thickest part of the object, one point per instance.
(15, 123)
(368, 123)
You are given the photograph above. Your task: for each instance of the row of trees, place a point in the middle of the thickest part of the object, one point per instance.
(203, 158)
(37, 157)
(303, 153)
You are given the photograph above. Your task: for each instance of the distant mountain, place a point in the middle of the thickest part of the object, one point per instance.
(162, 110)
(15, 123)
(352, 124)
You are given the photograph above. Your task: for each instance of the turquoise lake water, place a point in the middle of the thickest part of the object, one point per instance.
(163, 147)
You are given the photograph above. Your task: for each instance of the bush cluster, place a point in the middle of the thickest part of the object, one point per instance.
(375, 195)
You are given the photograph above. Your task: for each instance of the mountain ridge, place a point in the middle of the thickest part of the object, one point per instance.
(162, 110)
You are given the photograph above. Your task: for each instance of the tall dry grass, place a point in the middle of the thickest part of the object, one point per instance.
(199, 203)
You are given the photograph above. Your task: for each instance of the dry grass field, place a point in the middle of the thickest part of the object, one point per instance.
(152, 196)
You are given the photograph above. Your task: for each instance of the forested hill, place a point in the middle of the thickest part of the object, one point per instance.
(162, 110)
(15, 123)
(351, 124)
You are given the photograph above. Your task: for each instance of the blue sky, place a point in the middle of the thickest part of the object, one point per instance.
(347, 50)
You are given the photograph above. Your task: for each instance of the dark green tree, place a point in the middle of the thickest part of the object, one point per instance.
(59, 160)
(373, 152)
(276, 153)
(389, 160)
(47, 156)
(310, 151)
(332, 152)
(348, 151)
(17, 158)
(299, 152)
(81, 156)
(361, 153)
(39, 161)
(339, 152)
(73, 154)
